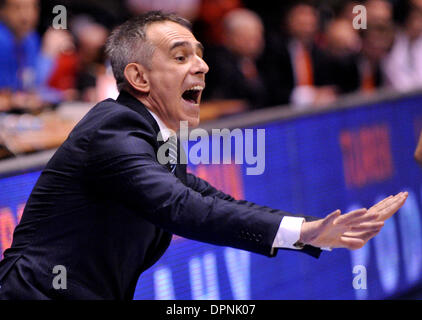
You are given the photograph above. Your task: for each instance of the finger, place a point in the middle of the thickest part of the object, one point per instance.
(349, 217)
(351, 243)
(393, 200)
(381, 203)
(387, 202)
(353, 234)
(387, 212)
(383, 200)
(365, 236)
(361, 235)
(381, 210)
(370, 216)
(331, 217)
(367, 226)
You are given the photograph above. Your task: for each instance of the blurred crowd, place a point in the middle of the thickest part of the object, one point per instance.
(301, 54)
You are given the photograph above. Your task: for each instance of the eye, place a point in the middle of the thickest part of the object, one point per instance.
(180, 58)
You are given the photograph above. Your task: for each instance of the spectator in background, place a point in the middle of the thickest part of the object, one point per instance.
(341, 39)
(83, 62)
(342, 45)
(300, 70)
(24, 68)
(379, 12)
(403, 66)
(209, 25)
(188, 9)
(377, 40)
(90, 41)
(345, 10)
(106, 12)
(357, 59)
(61, 45)
(236, 70)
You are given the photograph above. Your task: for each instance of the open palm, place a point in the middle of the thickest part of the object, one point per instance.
(351, 230)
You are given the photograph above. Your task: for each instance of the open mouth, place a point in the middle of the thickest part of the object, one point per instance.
(192, 95)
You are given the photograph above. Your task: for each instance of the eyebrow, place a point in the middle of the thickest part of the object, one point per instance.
(186, 44)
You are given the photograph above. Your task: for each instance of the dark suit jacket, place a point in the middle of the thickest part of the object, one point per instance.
(279, 71)
(105, 209)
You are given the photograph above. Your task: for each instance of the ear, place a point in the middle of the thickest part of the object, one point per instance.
(137, 76)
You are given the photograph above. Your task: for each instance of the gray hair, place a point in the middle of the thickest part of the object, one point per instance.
(127, 43)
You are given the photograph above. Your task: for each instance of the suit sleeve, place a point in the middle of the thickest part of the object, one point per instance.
(204, 188)
(122, 166)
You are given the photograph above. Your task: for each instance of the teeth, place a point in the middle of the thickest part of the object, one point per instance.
(194, 96)
(197, 88)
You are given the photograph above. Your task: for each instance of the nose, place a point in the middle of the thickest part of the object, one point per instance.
(200, 66)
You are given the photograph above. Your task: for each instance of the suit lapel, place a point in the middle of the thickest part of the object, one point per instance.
(131, 102)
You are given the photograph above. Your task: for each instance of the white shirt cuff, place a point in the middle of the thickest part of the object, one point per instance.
(288, 232)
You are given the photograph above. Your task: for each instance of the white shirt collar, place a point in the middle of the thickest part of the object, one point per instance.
(165, 131)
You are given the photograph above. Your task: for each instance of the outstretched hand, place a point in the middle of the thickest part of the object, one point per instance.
(351, 230)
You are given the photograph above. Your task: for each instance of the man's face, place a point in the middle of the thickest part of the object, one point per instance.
(176, 74)
(302, 22)
(377, 41)
(21, 16)
(247, 38)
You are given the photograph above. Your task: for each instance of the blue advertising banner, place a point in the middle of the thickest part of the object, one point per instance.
(342, 159)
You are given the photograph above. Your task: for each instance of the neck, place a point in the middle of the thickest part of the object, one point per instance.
(146, 101)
